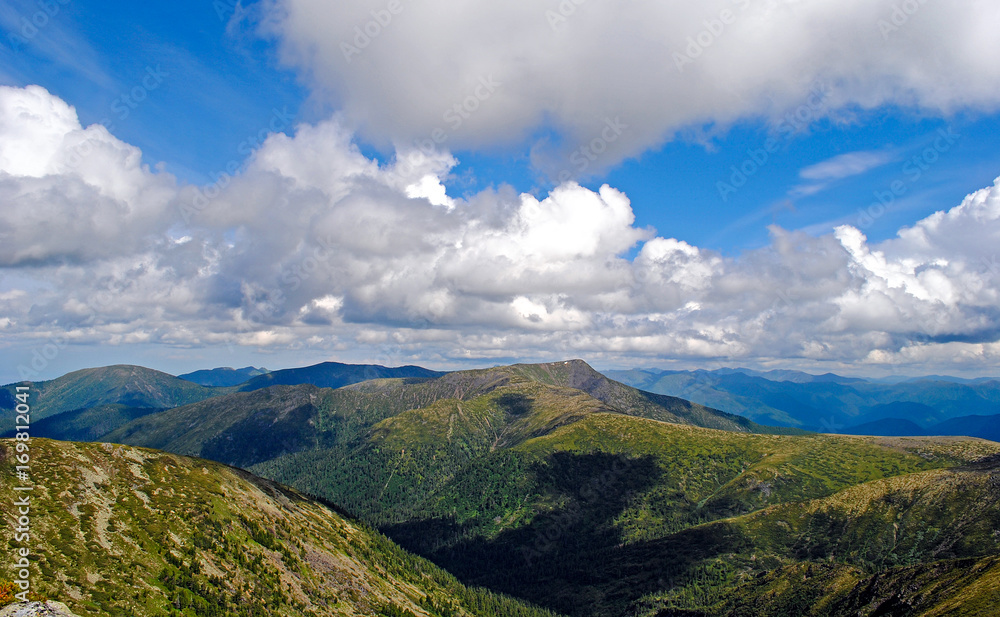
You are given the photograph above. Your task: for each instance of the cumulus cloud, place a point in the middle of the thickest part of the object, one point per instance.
(416, 73)
(71, 193)
(317, 246)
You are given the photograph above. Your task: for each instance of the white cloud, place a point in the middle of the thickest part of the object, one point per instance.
(659, 67)
(822, 174)
(316, 246)
(847, 165)
(71, 193)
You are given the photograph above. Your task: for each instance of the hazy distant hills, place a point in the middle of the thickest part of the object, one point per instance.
(334, 375)
(223, 377)
(127, 531)
(829, 403)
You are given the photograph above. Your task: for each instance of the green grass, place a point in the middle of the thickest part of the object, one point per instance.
(563, 488)
(126, 531)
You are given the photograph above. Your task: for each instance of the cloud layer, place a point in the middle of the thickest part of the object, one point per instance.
(317, 246)
(403, 72)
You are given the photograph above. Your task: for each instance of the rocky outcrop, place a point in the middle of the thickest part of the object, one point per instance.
(37, 609)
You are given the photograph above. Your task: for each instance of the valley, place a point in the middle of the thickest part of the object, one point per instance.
(559, 487)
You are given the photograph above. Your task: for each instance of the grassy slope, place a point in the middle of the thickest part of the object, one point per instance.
(920, 544)
(539, 480)
(304, 417)
(530, 511)
(631, 401)
(223, 377)
(131, 386)
(89, 424)
(127, 531)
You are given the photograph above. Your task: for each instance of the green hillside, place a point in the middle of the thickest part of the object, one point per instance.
(126, 531)
(129, 386)
(88, 424)
(305, 417)
(524, 489)
(558, 486)
(920, 544)
(533, 518)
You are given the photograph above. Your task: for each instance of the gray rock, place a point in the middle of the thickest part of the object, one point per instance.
(37, 609)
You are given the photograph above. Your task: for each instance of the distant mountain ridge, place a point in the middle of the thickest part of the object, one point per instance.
(123, 385)
(224, 376)
(335, 375)
(827, 403)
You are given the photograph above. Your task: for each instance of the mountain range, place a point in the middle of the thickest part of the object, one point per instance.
(224, 376)
(834, 404)
(565, 489)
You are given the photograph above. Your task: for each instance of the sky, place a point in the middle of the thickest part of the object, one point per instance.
(805, 184)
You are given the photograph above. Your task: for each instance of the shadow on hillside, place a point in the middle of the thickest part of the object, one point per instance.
(571, 559)
(260, 437)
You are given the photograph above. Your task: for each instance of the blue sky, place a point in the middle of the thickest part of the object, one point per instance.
(223, 85)
(195, 86)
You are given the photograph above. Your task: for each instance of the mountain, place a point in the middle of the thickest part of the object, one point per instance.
(557, 485)
(129, 386)
(223, 377)
(987, 427)
(88, 424)
(887, 427)
(906, 545)
(825, 403)
(335, 375)
(590, 514)
(306, 417)
(918, 413)
(125, 531)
